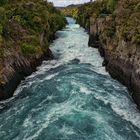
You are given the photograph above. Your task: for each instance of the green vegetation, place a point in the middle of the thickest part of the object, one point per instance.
(128, 20)
(23, 22)
(122, 14)
(71, 11)
(111, 5)
(28, 49)
(26, 29)
(98, 8)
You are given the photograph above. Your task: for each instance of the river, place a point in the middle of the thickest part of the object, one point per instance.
(71, 97)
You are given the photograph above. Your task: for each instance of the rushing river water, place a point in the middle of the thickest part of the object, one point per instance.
(70, 98)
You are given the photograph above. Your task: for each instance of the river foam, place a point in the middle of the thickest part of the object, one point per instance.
(70, 98)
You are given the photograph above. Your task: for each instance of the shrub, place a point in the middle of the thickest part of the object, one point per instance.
(136, 38)
(1, 29)
(111, 4)
(28, 49)
(22, 22)
(2, 15)
(2, 2)
(109, 32)
(137, 8)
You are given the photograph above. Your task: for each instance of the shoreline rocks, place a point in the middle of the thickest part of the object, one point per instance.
(121, 58)
(16, 71)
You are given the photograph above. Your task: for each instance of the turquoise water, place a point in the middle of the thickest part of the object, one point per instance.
(70, 98)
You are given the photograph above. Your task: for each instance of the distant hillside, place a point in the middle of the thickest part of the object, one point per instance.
(70, 10)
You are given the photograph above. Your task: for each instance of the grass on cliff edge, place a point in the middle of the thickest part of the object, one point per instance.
(25, 21)
(26, 29)
(123, 15)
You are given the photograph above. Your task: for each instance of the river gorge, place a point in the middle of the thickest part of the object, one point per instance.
(71, 97)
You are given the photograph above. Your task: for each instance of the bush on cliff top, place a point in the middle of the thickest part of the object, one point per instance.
(28, 49)
(20, 19)
(26, 28)
(125, 14)
(128, 20)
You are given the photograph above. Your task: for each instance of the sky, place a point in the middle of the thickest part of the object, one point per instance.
(67, 2)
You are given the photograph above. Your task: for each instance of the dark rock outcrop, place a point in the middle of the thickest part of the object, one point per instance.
(26, 30)
(16, 69)
(121, 58)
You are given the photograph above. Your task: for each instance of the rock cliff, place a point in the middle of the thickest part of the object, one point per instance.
(114, 28)
(26, 29)
(121, 57)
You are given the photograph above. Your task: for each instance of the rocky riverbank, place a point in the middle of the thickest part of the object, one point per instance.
(114, 28)
(26, 29)
(121, 58)
(16, 69)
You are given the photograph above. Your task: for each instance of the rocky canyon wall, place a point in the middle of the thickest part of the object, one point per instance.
(121, 58)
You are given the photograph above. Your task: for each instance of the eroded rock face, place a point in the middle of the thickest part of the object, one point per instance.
(121, 58)
(26, 30)
(16, 68)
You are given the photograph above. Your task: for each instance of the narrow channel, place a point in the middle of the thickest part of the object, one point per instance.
(71, 97)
